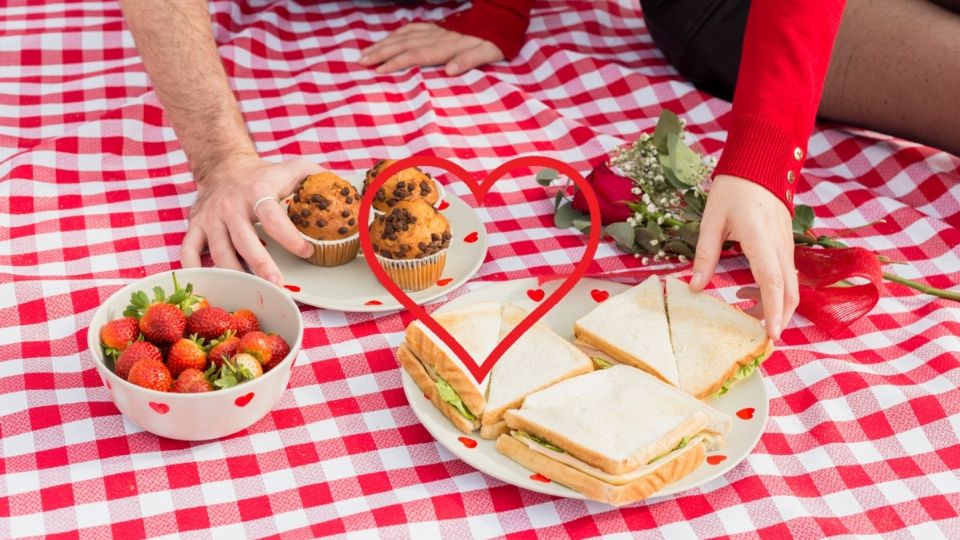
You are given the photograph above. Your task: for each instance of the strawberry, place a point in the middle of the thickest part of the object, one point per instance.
(240, 368)
(279, 350)
(258, 345)
(248, 366)
(210, 323)
(151, 374)
(186, 353)
(162, 319)
(246, 321)
(163, 323)
(135, 352)
(225, 346)
(117, 334)
(192, 381)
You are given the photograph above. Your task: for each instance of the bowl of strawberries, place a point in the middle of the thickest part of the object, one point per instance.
(198, 353)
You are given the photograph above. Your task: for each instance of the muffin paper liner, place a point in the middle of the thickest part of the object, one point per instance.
(329, 253)
(415, 274)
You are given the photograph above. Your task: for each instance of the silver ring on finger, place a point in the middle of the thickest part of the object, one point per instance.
(262, 200)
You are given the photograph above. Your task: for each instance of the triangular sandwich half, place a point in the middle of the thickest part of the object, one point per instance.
(715, 344)
(538, 359)
(617, 435)
(439, 372)
(631, 328)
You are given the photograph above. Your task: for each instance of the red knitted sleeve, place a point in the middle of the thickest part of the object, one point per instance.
(501, 22)
(786, 51)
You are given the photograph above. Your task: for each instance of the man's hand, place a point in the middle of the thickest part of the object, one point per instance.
(743, 211)
(426, 44)
(222, 218)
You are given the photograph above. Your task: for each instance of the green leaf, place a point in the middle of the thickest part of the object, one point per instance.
(622, 232)
(668, 124)
(582, 225)
(803, 217)
(601, 363)
(565, 215)
(546, 176)
(695, 201)
(690, 233)
(159, 294)
(679, 247)
(684, 162)
(557, 199)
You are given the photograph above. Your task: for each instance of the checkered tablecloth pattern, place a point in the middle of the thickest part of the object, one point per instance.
(94, 192)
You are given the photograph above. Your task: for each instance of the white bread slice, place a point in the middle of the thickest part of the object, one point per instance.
(538, 359)
(616, 419)
(711, 339)
(477, 328)
(662, 473)
(429, 389)
(631, 328)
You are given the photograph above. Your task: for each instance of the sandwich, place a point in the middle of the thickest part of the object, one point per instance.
(716, 344)
(617, 435)
(440, 374)
(536, 360)
(691, 340)
(631, 328)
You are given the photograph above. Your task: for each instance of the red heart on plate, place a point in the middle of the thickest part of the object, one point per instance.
(467, 441)
(243, 400)
(536, 294)
(160, 408)
(598, 295)
(480, 190)
(373, 303)
(471, 238)
(746, 414)
(444, 281)
(714, 460)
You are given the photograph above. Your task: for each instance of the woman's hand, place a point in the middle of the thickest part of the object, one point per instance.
(743, 211)
(222, 218)
(426, 44)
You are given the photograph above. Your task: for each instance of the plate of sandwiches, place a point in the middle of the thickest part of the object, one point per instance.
(428, 240)
(618, 394)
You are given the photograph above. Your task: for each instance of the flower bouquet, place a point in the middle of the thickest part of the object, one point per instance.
(652, 195)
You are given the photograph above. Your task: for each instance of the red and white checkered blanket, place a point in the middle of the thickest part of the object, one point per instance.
(94, 192)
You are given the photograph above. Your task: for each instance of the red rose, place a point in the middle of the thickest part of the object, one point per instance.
(613, 194)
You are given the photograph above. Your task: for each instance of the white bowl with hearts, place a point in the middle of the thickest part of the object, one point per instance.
(207, 415)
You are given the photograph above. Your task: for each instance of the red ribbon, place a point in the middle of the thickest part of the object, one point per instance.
(823, 300)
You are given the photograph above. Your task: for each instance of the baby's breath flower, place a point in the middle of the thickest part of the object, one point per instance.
(645, 260)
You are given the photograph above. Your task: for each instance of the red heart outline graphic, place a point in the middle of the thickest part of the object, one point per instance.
(480, 191)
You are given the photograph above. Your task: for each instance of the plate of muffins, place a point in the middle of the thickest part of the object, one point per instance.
(428, 241)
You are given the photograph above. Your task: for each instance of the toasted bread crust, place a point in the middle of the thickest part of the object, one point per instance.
(424, 347)
(691, 426)
(615, 352)
(765, 349)
(598, 490)
(429, 388)
(493, 431)
(494, 416)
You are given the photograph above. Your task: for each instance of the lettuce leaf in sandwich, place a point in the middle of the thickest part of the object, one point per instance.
(450, 396)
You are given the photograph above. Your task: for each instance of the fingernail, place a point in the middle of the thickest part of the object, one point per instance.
(696, 280)
(775, 330)
(453, 69)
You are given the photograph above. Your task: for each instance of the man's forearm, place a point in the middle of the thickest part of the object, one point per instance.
(175, 40)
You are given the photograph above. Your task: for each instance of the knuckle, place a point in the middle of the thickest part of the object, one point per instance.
(773, 281)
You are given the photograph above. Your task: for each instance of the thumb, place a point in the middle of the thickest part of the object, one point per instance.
(709, 246)
(484, 53)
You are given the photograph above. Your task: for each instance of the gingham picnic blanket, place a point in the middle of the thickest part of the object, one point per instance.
(94, 192)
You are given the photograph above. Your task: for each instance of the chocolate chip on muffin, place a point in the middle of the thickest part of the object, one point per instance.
(408, 184)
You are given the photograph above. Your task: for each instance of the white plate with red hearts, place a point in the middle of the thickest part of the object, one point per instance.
(353, 287)
(746, 402)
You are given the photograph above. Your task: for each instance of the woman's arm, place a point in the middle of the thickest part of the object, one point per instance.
(786, 52)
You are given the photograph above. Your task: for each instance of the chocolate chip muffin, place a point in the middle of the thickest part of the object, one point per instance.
(325, 210)
(407, 185)
(411, 242)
